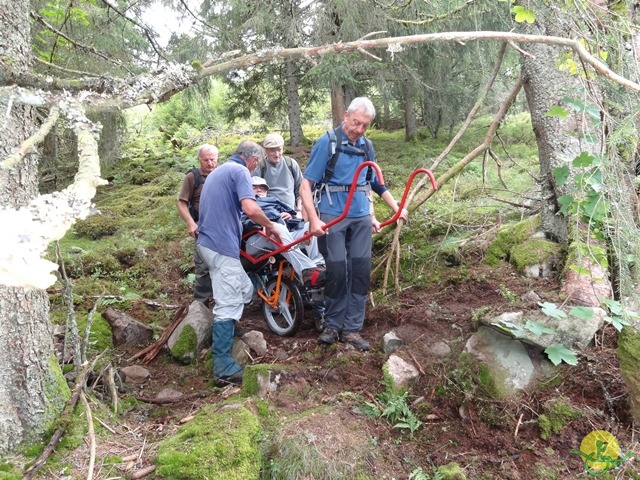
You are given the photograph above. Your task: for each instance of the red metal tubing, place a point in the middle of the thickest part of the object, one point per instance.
(406, 192)
(282, 248)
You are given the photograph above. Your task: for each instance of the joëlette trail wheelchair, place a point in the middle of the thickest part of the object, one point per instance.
(282, 295)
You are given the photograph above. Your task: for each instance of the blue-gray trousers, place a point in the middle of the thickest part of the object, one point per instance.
(347, 253)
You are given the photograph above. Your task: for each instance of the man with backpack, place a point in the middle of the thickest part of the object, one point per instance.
(283, 174)
(189, 209)
(346, 246)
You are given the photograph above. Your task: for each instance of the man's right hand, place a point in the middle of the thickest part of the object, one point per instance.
(315, 227)
(272, 232)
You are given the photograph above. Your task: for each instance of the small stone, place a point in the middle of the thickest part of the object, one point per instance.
(391, 342)
(440, 349)
(135, 374)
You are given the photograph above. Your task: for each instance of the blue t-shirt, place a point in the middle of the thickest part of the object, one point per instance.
(220, 208)
(343, 172)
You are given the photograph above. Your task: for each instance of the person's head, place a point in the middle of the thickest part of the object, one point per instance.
(251, 153)
(260, 186)
(273, 144)
(358, 118)
(208, 158)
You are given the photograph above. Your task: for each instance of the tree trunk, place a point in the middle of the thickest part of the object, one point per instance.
(32, 389)
(338, 104)
(410, 121)
(559, 140)
(293, 105)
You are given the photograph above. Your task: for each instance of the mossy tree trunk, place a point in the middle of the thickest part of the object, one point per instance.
(32, 390)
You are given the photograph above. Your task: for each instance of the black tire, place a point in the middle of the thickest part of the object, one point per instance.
(287, 318)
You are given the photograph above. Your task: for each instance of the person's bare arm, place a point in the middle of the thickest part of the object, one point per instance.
(389, 200)
(183, 209)
(255, 213)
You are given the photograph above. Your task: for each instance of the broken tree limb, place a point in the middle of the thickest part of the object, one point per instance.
(152, 350)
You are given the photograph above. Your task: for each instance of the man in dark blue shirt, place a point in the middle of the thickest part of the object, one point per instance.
(225, 195)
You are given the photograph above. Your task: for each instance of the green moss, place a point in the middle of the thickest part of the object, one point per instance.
(9, 471)
(557, 416)
(96, 227)
(100, 337)
(534, 251)
(217, 443)
(510, 236)
(56, 392)
(451, 471)
(629, 357)
(251, 374)
(185, 348)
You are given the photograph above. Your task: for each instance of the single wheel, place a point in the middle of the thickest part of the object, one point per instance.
(285, 319)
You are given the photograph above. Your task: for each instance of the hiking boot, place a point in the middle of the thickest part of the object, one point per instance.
(313, 277)
(235, 378)
(318, 322)
(240, 332)
(354, 338)
(328, 336)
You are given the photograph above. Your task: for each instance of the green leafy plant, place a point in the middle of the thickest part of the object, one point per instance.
(393, 406)
(558, 353)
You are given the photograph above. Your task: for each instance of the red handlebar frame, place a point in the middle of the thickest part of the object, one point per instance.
(282, 248)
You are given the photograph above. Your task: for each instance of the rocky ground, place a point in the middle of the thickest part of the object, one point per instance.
(461, 421)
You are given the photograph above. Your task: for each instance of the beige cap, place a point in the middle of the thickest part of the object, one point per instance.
(273, 140)
(259, 181)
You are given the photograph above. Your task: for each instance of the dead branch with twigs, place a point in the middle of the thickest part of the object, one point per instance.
(152, 350)
(66, 418)
(393, 252)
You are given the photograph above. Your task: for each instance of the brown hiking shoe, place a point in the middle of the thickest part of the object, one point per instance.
(328, 336)
(356, 340)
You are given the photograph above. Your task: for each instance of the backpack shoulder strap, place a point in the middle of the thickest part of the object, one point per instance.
(197, 177)
(368, 147)
(289, 163)
(335, 139)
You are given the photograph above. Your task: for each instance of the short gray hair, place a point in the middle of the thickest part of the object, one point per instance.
(206, 146)
(248, 149)
(362, 103)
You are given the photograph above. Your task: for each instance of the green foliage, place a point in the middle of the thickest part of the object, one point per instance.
(523, 14)
(392, 405)
(9, 471)
(558, 353)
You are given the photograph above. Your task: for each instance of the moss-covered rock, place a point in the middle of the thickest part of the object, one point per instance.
(217, 443)
(261, 379)
(510, 236)
(184, 349)
(534, 251)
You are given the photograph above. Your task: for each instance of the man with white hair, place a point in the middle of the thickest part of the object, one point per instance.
(189, 208)
(347, 247)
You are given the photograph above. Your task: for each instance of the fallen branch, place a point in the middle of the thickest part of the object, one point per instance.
(166, 401)
(152, 350)
(394, 250)
(92, 435)
(143, 472)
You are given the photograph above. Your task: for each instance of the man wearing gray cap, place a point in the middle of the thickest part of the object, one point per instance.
(282, 173)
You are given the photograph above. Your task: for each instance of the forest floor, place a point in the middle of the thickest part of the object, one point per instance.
(488, 438)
